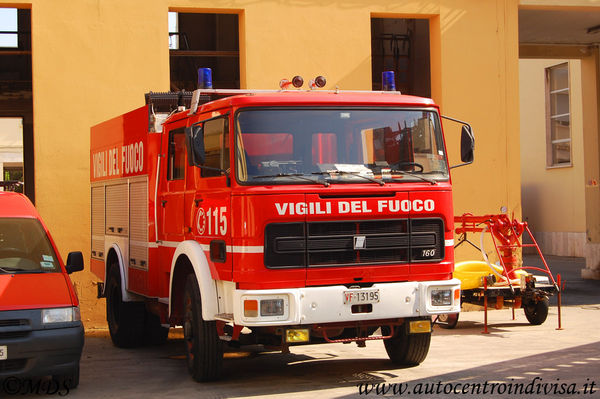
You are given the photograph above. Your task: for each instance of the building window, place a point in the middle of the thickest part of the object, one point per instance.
(173, 31)
(203, 40)
(9, 33)
(558, 116)
(401, 45)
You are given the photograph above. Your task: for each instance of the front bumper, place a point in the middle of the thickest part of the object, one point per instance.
(311, 305)
(36, 350)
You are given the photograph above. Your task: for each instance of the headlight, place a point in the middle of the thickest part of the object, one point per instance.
(271, 307)
(266, 306)
(60, 315)
(441, 297)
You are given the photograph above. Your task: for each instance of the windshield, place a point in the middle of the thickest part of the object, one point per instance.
(343, 145)
(25, 248)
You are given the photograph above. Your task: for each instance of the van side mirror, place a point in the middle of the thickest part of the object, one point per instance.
(467, 144)
(194, 138)
(74, 262)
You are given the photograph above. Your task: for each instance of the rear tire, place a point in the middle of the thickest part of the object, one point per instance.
(125, 319)
(204, 349)
(406, 349)
(537, 312)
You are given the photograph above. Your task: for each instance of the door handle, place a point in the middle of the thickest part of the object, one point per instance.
(163, 202)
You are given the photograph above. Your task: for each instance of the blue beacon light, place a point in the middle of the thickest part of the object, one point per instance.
(205, 78)
(388, 81)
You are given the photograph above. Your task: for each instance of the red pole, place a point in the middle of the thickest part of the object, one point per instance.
(485, 307)
(559, 302)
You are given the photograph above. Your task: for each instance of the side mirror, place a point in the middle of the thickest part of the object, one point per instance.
(74, 262)
(194, 138)
(467, 144)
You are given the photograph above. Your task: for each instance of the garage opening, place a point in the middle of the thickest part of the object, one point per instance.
(402, 45)
(202, 40)
(16, 101)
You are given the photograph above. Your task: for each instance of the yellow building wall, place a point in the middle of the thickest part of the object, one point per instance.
(553, 198)
(93, 60)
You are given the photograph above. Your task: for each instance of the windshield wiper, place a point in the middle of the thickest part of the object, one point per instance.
(10, 270)
(298, 175)
(403, 172)
(345, 173)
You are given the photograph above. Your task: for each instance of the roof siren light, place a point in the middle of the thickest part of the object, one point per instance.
(205, 78)
(296, 81)
(318, 82)
(388, 81)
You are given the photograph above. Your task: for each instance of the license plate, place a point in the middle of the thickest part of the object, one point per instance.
(358, 297)
(3, 352)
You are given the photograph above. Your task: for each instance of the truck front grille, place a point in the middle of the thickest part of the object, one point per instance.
(352, 243)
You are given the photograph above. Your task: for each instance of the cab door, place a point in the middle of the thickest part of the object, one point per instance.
(208, 196)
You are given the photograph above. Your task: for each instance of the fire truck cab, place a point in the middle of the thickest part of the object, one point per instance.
(277, 218)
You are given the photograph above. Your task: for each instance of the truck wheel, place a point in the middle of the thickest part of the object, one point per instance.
(125, 319)
(70, 381)
(406, 349)
(154, 332)
(536, 312)
(447, 321)
(204, 349)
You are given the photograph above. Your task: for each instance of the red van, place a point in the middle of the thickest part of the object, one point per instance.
(41, 333)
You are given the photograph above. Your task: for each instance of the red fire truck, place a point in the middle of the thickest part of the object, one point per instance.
(274, 217)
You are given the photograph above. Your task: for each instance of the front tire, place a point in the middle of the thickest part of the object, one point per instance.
(537, 312)
(407, 349)
(204, 349)
(125, 319)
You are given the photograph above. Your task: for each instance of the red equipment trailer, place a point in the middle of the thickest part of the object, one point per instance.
(506, 281)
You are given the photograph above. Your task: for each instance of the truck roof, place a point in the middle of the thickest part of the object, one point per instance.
(309, 98)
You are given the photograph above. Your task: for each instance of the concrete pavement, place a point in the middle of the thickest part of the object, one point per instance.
(515, 355)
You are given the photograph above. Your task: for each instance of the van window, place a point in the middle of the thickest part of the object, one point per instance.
(25, 247)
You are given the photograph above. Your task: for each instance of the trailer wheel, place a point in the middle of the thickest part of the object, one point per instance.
(125, 319)
(537, 312)
(204, 349)
(406, 349)
(447, 321)
(154, 332)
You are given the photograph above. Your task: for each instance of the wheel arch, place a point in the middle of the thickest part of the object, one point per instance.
(113, 255)
(190, 258)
